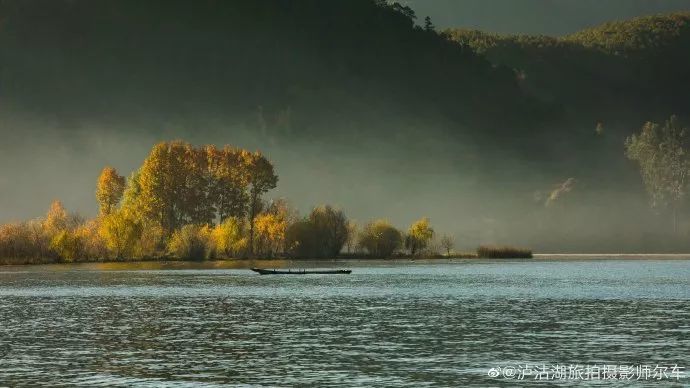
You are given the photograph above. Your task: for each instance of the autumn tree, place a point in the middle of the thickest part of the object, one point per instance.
(191, 242)
(231, 178)
(261, 179)
(418, 236)
(68, 245)
(662, 153)
(109, 190)
(229, 237)
(171, 186)
(160, 179)
(271, 227)
(179, 184)
(56, 219)
(120, 231)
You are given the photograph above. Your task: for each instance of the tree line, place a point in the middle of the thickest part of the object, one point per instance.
(205, 202)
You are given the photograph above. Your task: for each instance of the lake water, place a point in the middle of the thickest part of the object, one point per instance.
(397, 324)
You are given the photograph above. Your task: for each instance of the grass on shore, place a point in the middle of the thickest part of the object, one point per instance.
(503, 252)
(489, 252)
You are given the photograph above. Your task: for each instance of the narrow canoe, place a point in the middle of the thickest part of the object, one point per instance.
(263, 271)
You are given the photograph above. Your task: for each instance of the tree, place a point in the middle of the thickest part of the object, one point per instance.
(418, 236)
(404, 10)
(38, 237)
(120, 230)
(447, 243)
(56, 219)
(380, 239)
(320, 235)
(269, 235)
(428, 25)
(331, 231)
(261, 179)
(663, 156)
(191, 242)
(300, 239)
(161, 180)
(109, 190)
(68, 245)
(272, 226)
(231, 178)
(229, 237)
(351, 236)
(93, 245)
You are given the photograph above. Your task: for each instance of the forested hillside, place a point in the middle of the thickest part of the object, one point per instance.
(324, 68)
(338, 70)
(618, 74)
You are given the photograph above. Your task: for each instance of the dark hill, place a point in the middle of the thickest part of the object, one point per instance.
(321, 68)
(620, 73)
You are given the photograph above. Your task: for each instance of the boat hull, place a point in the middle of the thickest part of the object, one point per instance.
(263, 271)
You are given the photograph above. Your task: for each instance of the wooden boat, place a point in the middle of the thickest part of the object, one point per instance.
(263, 271)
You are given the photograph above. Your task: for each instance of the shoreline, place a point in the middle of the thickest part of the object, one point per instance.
(329, 263)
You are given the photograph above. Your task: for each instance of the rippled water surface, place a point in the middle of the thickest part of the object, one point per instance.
(387, 325)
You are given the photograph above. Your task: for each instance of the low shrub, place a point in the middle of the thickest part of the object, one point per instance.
(503, 252)
(191, 242)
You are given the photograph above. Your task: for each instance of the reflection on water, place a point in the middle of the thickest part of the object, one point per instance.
(395, 325)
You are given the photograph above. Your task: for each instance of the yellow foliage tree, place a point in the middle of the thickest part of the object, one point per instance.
(93, 244)
(68, 245)
(270, 233)
(109, 190)
(56, 219)
(191, 242)
(261, 178)
(229, 238)
(230, 172)
(418, 235)
(120, 231)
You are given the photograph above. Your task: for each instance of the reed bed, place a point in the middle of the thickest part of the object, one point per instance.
(503, 252)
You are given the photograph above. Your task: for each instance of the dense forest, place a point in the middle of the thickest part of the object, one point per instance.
(609, 78)
(364, 102)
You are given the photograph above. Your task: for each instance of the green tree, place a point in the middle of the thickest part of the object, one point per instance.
(331, 228)
(380, 239)
(662, 153)
(428, 25)
(321, 235)
(301, 239)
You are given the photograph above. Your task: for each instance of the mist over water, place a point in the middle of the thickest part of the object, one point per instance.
(475, 198)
